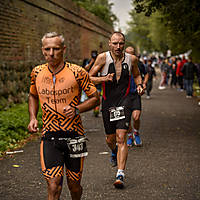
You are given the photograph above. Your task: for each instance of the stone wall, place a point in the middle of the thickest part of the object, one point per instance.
(24, 22)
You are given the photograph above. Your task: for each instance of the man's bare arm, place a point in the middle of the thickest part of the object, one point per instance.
(136, 75)
(90, 103)
(33, 106)
(135, 70)
(146, 77)
(88, 66)
(99, 63)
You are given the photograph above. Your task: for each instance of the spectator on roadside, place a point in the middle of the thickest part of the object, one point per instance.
(179, 74)
(198, 73)
(168, 71)
(164, 67)
(145, 61)
(173, 73)
(151, 72)
(183, 61)
(188, 70)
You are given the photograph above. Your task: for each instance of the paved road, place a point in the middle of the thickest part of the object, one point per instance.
(167, 167)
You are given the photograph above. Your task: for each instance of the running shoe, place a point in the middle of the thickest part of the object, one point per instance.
(130, 141)
(161, 87)
(137, 141)
(148, 97)
(113, 160)
(119, 182)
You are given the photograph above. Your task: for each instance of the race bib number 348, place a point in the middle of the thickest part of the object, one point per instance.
(77, 148)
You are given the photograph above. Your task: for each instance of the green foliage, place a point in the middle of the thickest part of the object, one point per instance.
(138, 32)
(13, 126)
(14, 84)
(179, 19)
(100, 8)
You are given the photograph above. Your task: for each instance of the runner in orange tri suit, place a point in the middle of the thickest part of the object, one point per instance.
(58, 85)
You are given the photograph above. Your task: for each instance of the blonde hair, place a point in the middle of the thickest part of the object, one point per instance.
(52, 35)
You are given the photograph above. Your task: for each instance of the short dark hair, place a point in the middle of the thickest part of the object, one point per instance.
(119, 33)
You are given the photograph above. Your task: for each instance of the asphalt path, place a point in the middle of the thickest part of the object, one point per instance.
(167, 167)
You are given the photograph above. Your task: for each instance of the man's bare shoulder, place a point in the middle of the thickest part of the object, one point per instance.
(134, 58)
(102, 58)
(99, 63)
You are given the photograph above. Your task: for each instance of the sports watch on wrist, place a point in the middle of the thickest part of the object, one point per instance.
(77, 112)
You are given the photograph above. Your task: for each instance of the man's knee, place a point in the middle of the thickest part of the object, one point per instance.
(121, 137)
(111, 139)
(54, 185)
(74, 186)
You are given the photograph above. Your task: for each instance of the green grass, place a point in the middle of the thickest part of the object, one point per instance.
(13, 126)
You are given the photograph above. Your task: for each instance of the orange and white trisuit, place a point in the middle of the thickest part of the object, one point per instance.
(55, 92)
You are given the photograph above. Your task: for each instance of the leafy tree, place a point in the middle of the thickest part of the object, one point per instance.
(180, 19)
(139, 32)
(100, 8)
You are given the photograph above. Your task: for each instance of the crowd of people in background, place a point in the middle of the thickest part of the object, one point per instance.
(179, 73)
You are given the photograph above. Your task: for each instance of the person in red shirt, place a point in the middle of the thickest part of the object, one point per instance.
(179, 74)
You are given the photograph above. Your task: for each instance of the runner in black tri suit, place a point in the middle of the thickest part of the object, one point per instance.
(116, 68)
(133, 134)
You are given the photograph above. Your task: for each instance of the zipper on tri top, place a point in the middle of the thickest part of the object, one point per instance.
(54, 79)
(54, 94)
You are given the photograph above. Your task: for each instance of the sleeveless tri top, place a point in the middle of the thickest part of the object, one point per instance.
(115, 91)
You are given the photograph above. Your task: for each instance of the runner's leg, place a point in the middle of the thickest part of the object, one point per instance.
(75, 189)
(136, 119)
(111, 141)
(130, 136)
(74, 170)
(49, 155)
(122, 154)
(54, 187)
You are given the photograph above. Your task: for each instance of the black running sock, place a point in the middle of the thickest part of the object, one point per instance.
(114, 151)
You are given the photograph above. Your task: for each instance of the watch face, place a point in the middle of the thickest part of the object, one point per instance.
(77, 111)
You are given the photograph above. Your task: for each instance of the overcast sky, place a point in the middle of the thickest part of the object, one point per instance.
(121, 8)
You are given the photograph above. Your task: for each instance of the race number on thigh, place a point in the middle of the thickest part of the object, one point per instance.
(116, 113)
(77, 147)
